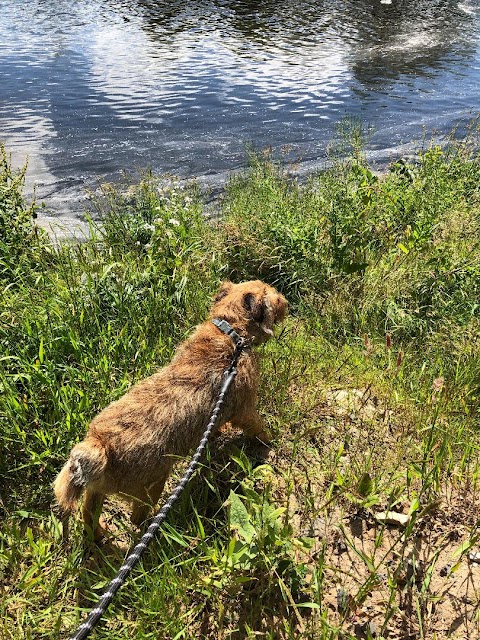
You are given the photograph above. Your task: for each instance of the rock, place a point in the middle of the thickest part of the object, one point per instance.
(474, 556)
(353, 403)
(317, 529)
(343, 600)
(392, 517)
(366, 630)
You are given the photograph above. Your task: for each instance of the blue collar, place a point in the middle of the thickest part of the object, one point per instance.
(227, 329)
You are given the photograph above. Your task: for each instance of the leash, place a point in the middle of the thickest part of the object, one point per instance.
(84, 630)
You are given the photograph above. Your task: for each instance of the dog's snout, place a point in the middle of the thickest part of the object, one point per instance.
(282, 307)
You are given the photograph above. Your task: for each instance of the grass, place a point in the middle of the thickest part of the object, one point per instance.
(372, 390)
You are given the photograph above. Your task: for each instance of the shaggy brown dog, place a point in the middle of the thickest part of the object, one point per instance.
(133, 443)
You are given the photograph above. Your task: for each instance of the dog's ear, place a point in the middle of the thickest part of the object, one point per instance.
(224, 290)
(254, 307)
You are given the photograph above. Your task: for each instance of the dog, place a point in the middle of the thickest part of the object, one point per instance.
(132, 445)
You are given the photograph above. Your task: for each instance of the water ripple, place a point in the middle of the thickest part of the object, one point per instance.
(91, 88)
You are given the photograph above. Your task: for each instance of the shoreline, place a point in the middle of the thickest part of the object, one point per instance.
(68, 225)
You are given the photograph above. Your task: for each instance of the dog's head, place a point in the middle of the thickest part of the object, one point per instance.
(252, 308)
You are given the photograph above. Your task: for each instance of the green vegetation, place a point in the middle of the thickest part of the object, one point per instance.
(372, 390)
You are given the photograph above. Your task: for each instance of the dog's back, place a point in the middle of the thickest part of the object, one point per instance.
(133, 443)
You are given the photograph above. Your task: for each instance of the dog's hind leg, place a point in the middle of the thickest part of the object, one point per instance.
(143, 504)
(91, 510)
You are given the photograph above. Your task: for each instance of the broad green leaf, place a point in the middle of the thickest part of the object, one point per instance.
(365, 486)
(460, 550)
(239, 518)
(414, 507)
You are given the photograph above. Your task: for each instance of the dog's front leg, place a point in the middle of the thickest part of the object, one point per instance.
(252, 425)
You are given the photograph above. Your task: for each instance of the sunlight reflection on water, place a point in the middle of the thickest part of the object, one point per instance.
(93, 88)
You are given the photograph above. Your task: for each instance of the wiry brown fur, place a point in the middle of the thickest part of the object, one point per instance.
(132, 444)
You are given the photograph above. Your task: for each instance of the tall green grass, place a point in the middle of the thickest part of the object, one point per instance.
(382, 274)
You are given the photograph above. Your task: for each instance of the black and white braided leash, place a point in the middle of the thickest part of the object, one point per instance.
(84, 630)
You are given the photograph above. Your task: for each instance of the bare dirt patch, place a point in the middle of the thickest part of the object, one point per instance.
(413, 573)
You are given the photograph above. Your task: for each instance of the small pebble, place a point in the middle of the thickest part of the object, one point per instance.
(342, 600)
(341, 547)
(474, 556)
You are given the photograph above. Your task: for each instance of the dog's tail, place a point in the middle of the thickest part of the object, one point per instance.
(86, 463)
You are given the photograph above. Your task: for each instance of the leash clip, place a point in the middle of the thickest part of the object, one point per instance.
(226, 328)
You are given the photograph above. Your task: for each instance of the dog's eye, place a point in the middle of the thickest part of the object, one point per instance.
(254, 307)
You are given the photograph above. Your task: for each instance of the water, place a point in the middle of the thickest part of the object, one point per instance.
(91, 88)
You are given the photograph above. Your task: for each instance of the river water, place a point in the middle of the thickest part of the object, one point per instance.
(90, 88)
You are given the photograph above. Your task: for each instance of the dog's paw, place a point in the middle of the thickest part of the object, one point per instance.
(264, 436)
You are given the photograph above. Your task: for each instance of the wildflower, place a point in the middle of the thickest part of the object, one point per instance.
(368, 345)
(437, 386)
(175, 222)
(399, 359)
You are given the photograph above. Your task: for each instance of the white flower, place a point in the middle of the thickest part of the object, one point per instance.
(175, 222)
